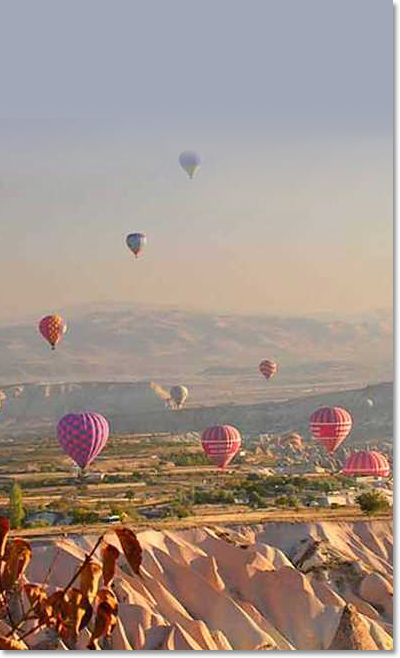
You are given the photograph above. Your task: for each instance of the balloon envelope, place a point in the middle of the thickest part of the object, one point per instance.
(179, 395)
(367, 462)
(330, 426)
(268, 368)
(83, 436)
(52, 328)
(221, 443)
(136, 242)
(190, 161)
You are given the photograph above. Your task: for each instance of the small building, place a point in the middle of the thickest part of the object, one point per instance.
(94, 477)
(337, 499)
(112, 518)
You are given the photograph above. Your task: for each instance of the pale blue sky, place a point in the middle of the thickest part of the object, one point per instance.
(290, 106)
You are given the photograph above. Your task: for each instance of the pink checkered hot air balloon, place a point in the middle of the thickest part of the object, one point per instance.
(221, 443)
(82, 436)
(268, 368)
(330, 426)
(367, 462)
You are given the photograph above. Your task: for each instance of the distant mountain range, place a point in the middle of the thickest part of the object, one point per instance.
(34, 409)
(121, 342)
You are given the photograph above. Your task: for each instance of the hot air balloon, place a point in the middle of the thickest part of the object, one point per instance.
(367, 462)
(268, 368)
(82, 436)
(190, 162)
(179, 395)
(136, 242)
(330, 426)
(221, 443)
(52, 328)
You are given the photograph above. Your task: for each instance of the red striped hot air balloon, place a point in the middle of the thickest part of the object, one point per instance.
(221, 443)
(82, 436)
(330, 426)
(367, 462)
(52, 328)
(268, 368)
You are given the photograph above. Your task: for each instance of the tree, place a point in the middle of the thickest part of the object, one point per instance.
(17, 513)
(372, 502)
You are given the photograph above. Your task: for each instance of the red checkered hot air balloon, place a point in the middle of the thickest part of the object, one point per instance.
(82, 436)
(367, 462)
(221, 443)
(268, 368)
(52, 328)
(330, 426)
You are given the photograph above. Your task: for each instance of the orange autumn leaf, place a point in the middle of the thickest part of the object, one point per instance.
(109, 555)
(74, 612)
(57, 607)
(106, 617)
(37, 598)
(4, 530)
(17, 558)
(131, 547)
(11, 644)
(90, 579)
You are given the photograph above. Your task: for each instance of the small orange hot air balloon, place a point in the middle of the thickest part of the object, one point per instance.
(52, 328)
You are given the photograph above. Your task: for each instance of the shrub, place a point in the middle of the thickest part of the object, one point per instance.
(372, 502)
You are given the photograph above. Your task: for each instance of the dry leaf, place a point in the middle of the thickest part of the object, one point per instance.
(58, 608)
(131, 547)
(17, 558)
(106, 617)
(90, 579)
(110, 555)
(4, 530)
(11, 644)
(37, 598)
(74, 612)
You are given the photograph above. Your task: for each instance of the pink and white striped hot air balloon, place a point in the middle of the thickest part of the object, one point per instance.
(221, 443)
(83, 436)
(268, 368)
(367, 462)
(330, 426)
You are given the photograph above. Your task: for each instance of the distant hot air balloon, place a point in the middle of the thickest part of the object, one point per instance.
(179, 395)
(221, 443)
(52, 328)
(367, 462)
(190, 162)
(136, 242)
(268, 368)
(82, 436)
(330, 426)
(2, 397)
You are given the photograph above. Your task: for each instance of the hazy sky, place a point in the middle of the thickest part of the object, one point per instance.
(290, 107)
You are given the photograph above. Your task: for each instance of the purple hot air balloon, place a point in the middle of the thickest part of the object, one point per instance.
(83, 436)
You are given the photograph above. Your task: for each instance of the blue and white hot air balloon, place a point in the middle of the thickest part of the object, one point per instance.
(136, 242)
(190, 162)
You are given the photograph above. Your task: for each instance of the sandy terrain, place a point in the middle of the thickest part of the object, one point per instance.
(279, 585)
